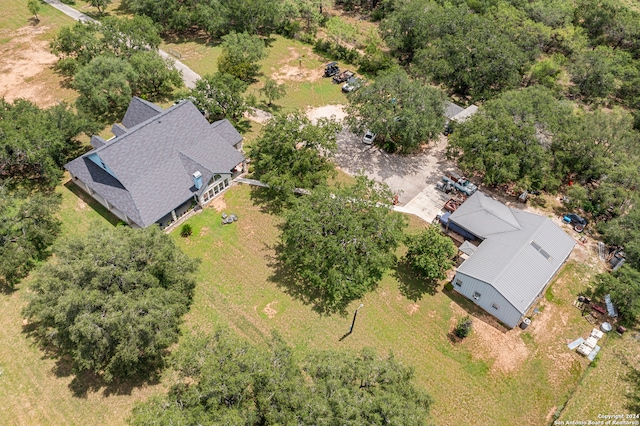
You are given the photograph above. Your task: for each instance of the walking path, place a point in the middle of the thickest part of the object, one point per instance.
(189, 76)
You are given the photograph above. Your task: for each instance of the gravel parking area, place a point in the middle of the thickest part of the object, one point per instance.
(412, 177)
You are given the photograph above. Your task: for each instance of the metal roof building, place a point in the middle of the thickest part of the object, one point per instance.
(519, 254)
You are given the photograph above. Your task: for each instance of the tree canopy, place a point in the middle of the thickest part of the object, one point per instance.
(104, 87)
(476, 53)
(35, 143)
(240, 55)
(112, 61)
(291, 152)
(220, 96)
(624, 288)
(113, 300)
(339, 242)
(27, 228)
(403, 113)
(272, 90)
(225, 380)
(217, 17)
(78, 44)
(430, 253)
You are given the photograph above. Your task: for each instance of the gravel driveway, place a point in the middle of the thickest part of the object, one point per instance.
(412, 177)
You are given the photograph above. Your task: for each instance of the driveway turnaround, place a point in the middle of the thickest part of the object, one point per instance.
(412, 177)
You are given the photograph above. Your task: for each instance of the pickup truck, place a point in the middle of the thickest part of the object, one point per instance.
(462, 184)
(343, 76)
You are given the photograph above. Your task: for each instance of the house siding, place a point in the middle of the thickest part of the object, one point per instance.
(180, 211)
(506, 312)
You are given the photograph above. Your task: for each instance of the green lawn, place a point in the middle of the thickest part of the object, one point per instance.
(289, 61)
(604, 386)
(35, 389)
(15, 14)
(495, 376)
(470, 381)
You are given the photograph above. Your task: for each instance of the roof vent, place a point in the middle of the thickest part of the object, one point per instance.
(197, 179)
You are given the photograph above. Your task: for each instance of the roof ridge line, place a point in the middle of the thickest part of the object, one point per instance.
(142, 125)
(516, 253)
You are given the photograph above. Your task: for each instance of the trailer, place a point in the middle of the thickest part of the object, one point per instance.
(343, 76)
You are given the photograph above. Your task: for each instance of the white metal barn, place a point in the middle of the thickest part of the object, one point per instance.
(519, 254)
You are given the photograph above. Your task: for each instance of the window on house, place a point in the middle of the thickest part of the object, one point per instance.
(476, 295)
(494, 306)
(458, 283)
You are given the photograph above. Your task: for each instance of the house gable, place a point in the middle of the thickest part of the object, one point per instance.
(155, 160)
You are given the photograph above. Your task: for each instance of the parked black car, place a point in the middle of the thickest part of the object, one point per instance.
(576, 220)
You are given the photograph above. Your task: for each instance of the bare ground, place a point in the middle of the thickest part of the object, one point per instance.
(26, 70)
(288, 72)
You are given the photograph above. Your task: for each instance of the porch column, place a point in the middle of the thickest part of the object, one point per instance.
(173, 214)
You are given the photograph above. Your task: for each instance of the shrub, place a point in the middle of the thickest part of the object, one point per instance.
(463, 327)
(186, 230)
(448, 286)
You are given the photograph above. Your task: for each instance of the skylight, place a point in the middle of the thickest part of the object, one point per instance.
(540, 250)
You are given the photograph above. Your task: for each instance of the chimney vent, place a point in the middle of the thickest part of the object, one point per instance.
(197, 180)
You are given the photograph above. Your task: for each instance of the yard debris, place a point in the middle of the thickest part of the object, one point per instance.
(588, 347)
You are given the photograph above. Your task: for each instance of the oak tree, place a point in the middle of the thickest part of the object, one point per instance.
(112, 301)
(403, 113)
(339, 242)
(291, 152)
(225, 380)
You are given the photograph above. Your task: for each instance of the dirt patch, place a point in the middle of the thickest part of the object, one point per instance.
(327, 111)
(81, 205)
(269, 310)
(549, 322)
(506, 349)
(412, 308)
(218, 204)
(26, 67)
(297, 72)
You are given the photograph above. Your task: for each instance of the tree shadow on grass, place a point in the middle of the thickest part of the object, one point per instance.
(411, 285)
(291, 283)
(88, 381)
(633, 378)
(243, 126)
(264, 198)
(273, 108)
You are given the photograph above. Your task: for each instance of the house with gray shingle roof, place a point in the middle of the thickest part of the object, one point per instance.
(160, 163)
(519, 254)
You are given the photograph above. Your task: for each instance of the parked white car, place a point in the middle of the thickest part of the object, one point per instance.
(368, 137)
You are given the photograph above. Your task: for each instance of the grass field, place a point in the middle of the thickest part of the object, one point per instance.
(289, 62)
(15, 14)
(27, 63)
(495, 376)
